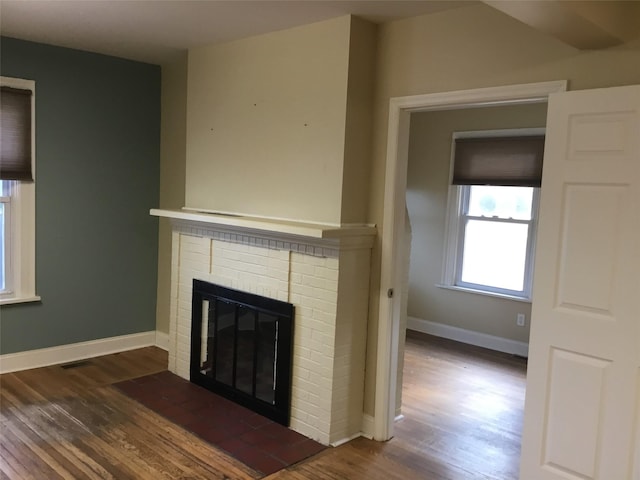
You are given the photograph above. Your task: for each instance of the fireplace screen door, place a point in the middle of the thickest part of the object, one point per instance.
(241, 348)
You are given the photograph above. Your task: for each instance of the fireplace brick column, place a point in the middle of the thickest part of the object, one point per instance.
(326, 281)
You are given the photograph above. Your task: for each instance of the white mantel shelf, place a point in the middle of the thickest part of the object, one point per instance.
(269, 226)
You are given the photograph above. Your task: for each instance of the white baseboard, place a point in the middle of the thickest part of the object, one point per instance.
(345, 440)
(367, 426)
(162, 340)
(13, 362)
(468, 336)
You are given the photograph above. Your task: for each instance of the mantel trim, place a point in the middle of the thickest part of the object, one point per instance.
(311, 239)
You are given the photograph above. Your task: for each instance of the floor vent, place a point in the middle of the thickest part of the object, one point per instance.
(81, 363)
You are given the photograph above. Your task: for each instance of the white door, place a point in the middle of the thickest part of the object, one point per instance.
(583, 388)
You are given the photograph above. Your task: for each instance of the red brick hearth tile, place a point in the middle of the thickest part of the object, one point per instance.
(283, 434)
(256, 441)
(200, 393)
(143, 380)
(131, 388)
(256, 421)
(173, 394)
(168, 394)
(185, 390)
(260, 461)
(256, 437)
(167, 375)
(180, 416)
(299, 451)
(233, 445)
(231, 408)
(233, 428)
(215, 415)
(270, 446)
(153, 402)
(213, 435)
(195, 403)
(200, 428)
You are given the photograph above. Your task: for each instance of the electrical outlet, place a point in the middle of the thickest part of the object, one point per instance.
(520, 320)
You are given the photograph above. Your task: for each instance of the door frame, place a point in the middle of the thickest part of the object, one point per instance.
(397, 159)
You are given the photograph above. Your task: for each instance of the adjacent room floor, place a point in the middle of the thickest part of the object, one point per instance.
(462, 420)
(463, 407)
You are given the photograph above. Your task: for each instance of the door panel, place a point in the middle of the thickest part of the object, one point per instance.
(587, 269)
(568, 426)
(581, 415)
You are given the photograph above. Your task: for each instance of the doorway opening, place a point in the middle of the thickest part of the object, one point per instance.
(454, 394)
(437, 302)
(400, 110)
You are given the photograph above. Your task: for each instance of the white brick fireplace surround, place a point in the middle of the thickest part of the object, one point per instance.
(322, 270)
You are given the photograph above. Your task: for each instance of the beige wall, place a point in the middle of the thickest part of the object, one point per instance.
(300, 76)
(357, 147)
(172, 168)
(266, 123)
(470, 47)
(427, 189)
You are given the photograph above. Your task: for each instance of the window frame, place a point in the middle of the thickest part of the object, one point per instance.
(5, 199)
(458, 196)
(20, 281)
(464, 216)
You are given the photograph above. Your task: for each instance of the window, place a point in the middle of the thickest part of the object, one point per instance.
(5, 232)
(493, 207)
(17, 191)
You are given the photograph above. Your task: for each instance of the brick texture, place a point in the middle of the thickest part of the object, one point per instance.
(329, 289)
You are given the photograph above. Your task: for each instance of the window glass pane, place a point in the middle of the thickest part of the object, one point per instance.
(245, 349)
(4, 192)
(501, 202)
(267, 356)
(495, 254)
(226, 336)
(2, 254)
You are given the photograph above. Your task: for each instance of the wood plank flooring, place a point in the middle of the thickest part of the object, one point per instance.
(462, 405)
(463, 409)
(58, 423)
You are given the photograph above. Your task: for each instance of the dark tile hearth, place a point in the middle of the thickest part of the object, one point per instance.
(256, 441)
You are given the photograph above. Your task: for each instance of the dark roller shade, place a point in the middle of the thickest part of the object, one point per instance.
(505, 161)
(15, 134)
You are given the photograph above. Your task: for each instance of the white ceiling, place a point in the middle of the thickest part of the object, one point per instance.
(154, 30)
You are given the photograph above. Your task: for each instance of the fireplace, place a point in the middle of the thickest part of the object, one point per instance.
(241, 348)
(322, 270)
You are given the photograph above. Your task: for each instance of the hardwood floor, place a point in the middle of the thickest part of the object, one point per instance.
(462, 405)
(68, 423)
(463, 408)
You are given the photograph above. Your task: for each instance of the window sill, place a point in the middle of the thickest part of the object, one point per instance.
(483, 292)
(13, 300)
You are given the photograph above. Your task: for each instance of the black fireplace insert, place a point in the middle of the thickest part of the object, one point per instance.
(241, 347)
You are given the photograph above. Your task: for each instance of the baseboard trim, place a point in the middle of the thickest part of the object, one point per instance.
(468, 336)
(44, 357)
(162, 340)
(345, 440)
(367, 426)
(367, 432)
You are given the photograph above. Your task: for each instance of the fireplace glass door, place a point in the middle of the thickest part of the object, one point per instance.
(240, 340)
(241, 348)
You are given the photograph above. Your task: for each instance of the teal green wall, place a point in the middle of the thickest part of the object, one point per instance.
(97, 167)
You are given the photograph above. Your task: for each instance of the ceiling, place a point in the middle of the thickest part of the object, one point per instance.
(154, 30)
